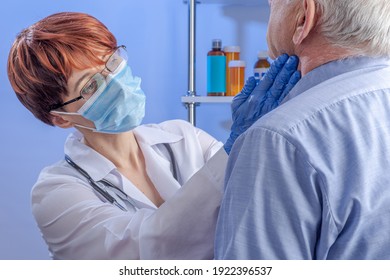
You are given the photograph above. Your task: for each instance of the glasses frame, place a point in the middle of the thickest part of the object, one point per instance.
(106, 68)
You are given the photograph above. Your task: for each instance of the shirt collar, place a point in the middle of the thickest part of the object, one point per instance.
(96, 165)
(332, 69)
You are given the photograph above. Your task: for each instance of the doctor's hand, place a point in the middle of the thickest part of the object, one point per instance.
(255, 100)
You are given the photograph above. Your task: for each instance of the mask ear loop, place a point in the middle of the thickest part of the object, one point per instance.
(75, 124)
(86, 127)
(66, 113)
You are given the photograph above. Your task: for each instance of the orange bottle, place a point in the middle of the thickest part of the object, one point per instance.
(261, 65)
(232, 53)
(237, 76)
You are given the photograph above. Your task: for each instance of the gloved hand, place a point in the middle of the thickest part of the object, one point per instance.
(255, 100)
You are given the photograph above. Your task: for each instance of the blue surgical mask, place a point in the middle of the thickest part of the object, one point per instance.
(119, 107)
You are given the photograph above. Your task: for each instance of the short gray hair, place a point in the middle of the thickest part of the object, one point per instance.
(360, 25)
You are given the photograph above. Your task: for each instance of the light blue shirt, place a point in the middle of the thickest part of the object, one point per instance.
(311, 179)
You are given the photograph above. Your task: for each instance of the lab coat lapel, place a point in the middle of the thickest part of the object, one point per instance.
(130, 189)
(159, 170)
(158, 164)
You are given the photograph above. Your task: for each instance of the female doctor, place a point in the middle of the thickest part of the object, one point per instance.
(123, 190)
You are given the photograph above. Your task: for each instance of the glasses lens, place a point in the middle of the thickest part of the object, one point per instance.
(93, 85)
(116, 59)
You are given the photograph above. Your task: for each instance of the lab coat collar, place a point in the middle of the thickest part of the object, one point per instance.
(84, 155)
(152, 134)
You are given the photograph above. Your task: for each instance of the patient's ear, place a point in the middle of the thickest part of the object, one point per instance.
(305, 22)
(60, 120)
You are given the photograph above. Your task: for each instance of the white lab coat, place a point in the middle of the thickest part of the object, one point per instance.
(77, 224)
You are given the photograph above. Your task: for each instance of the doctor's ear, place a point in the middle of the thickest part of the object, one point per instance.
(306, 20)
(60, 120)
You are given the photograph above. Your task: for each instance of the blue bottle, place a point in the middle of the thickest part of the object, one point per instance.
(216, 70)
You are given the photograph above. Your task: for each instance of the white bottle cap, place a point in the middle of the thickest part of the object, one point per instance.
(231, 49)
(237, 63)
(262, 54)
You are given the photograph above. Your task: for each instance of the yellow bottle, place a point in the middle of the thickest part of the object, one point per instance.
(232, 53)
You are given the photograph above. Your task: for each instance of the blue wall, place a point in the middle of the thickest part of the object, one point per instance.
(155, 33)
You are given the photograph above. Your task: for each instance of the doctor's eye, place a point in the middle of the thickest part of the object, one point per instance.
(92, 86)
(89, 88)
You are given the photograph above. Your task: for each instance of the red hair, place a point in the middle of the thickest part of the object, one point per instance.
(43, 56)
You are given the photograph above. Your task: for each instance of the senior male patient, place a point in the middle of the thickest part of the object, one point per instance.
(311, 179)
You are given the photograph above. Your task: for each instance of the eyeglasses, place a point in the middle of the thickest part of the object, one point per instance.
(98, 81)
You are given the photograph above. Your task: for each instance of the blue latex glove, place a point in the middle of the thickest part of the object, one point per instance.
(255, 100)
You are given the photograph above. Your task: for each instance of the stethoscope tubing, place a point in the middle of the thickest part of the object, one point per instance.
(104, 193)
(94, 185)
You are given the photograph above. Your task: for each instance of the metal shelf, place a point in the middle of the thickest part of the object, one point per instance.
(192, 99)
(206, 99)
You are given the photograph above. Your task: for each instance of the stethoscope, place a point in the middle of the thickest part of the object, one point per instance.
(110, 187)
